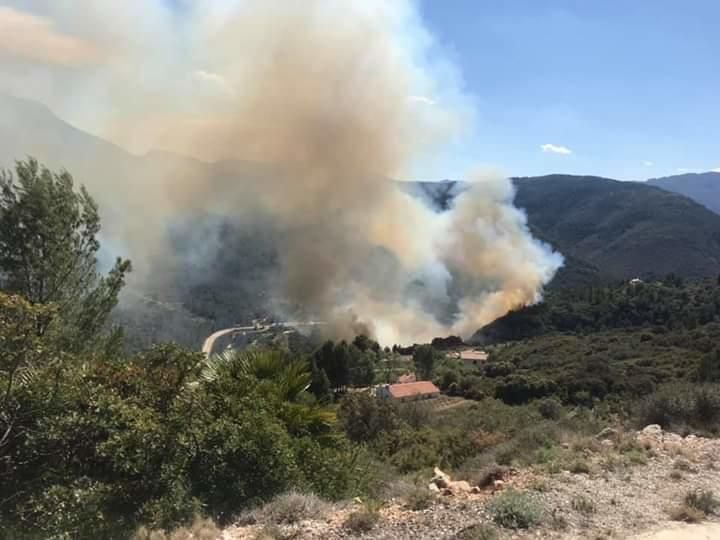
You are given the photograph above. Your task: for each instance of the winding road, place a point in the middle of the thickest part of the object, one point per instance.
(209, 343)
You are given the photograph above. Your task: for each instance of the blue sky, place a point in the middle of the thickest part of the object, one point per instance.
(627, 89)
(630, 87)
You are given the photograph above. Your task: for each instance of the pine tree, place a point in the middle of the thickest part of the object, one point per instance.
(48, 249)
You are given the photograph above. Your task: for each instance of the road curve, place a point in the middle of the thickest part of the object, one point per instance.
(209, 343)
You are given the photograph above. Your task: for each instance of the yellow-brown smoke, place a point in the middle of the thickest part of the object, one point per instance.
(339, 97)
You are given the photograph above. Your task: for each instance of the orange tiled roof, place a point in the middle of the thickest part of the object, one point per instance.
(413, 389)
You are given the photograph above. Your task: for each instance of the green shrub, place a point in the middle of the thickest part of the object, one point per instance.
(515, 510)
(580, 466)
(333, 471)
(549, 408)
(361, 521)
(419, 498)
(678, 405)
(290, 507)
(364, 418)
(477, 531)
(702, 500)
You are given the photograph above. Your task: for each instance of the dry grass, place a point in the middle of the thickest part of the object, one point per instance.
(703, 500)
(362, 521)
(583, 505)
(686, 513)
(201, 529)
(477, 531)
(579, 466)
(270, 532)
(287, 508)
(684, 465)
(419, 498)
(697, 505)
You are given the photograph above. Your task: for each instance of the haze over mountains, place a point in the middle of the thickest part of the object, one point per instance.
(606, 229)
(700, 187)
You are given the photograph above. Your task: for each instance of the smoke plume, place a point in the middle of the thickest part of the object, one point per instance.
(329, 101)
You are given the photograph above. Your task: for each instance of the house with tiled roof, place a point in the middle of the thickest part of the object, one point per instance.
(411, 391)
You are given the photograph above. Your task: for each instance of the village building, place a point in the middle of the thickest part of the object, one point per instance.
(412, 391)
(473, 357)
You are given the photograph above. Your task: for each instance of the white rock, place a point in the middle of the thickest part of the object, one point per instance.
(652, 429)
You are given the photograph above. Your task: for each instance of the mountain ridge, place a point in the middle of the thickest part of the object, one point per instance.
(606, 229)
(703, 188)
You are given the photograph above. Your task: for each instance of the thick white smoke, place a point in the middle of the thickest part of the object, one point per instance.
(337, 98)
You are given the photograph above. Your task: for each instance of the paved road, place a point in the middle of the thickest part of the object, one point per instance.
(209, 343)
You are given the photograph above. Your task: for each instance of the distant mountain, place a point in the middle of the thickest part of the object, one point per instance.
(703, 188)
(608, 229)
(605, 229)
(624, 229)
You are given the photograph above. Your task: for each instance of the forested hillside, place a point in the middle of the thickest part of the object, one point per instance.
(669, 303)
(625, 229)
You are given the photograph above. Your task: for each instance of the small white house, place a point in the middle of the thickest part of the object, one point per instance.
(473, 357)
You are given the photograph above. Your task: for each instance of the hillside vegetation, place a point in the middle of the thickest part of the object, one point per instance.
(625, 229)
(95, 442)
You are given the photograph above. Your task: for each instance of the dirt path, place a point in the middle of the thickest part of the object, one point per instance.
(624, 491)
(704, 531)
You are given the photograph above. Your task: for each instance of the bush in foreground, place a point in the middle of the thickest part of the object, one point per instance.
(696, 506)
(288, 508)
(477, 531)
(362, 521)
(515, 510)
(201, 529)
(703, 500)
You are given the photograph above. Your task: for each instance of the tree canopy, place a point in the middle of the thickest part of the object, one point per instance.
(49, 247)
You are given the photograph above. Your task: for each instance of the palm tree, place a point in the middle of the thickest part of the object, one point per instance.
(278, 375)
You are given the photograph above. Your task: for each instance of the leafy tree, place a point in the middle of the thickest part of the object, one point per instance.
(48, 248)
(334, 359)
(364, 343)
(362, 366)
(424, 359)
(320, 384)
(22, 354)
(364, 417)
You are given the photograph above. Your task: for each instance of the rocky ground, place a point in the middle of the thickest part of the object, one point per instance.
(623, 486)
